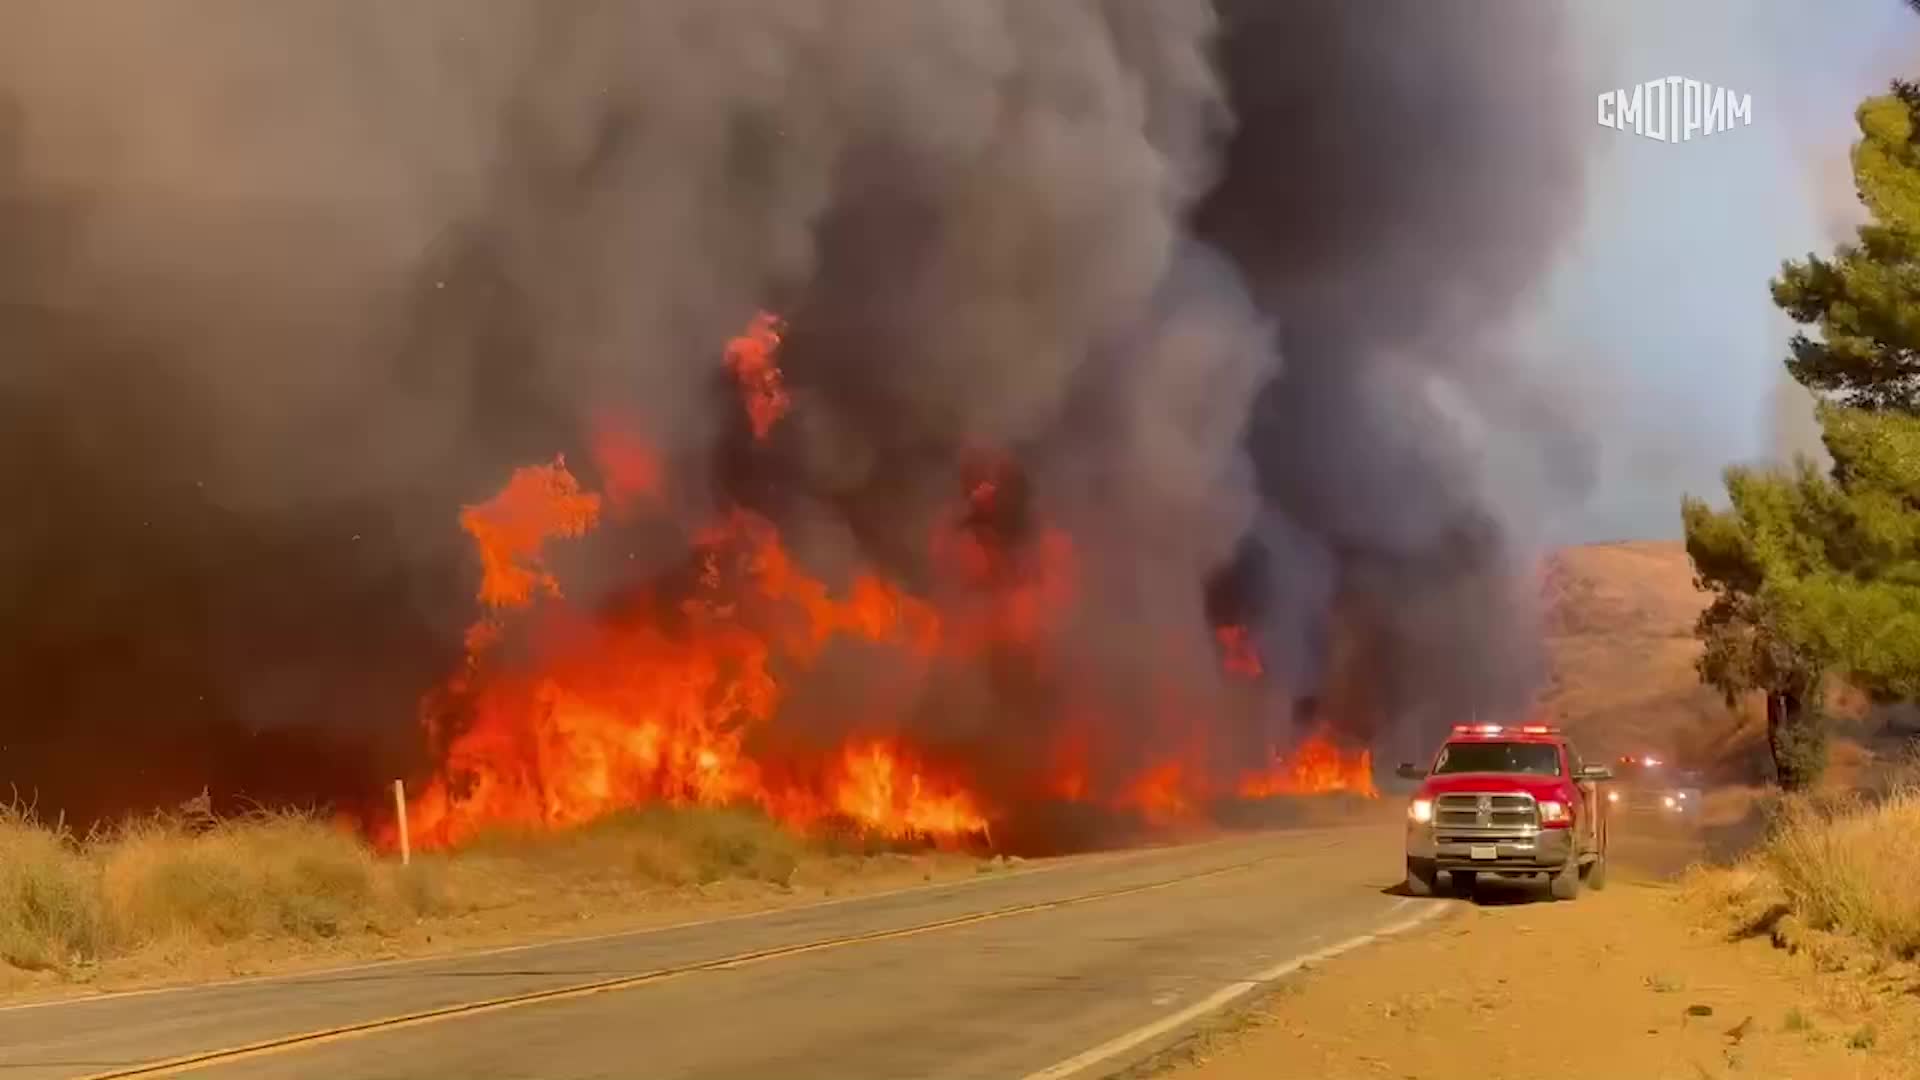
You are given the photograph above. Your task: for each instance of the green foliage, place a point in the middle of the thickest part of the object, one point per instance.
(1810, 572)
(1813, 573)
(1845, 574)
(1864, 298)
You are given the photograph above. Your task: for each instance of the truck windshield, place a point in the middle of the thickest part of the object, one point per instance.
(1538, 759)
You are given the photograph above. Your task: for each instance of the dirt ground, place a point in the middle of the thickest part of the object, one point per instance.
(1629, 982)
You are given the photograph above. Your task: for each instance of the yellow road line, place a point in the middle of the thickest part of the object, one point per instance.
(303, 1040)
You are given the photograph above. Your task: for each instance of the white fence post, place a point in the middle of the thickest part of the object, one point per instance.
(400, 813)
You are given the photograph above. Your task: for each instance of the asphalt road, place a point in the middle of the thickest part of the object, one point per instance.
(1069, 969)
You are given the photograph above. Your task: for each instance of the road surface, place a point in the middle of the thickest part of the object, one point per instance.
(1070, 969)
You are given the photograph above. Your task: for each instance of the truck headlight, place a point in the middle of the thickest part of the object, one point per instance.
(1669, 801)
(1420, 810)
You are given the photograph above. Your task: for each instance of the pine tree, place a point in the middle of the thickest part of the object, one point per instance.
(1814, 574)
(1863, 300)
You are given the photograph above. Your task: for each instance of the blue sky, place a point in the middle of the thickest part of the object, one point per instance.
(1659, 313)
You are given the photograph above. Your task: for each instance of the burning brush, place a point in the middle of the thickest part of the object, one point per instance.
(679, 691)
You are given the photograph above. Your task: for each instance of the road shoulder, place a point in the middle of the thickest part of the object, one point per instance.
(1629, 982)
(611, 907)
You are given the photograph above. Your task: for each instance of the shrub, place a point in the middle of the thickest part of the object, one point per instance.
(1852, 867)
(49, 896)
(262, 875)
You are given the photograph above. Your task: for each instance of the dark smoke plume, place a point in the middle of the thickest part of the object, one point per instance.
(283, 286)
(1403, 176)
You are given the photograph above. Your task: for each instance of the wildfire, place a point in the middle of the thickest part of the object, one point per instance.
(1316, 767)
(627, 709)
(631, 469)
(882, 787)
(762, 390)
(1161, 795)
(540, 503)
(682, 690)
(1238, 655)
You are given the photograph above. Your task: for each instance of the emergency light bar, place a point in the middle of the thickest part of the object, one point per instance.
(1495, 729)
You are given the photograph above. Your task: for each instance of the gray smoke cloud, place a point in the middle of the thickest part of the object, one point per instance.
(284, 285)
(1404, 178)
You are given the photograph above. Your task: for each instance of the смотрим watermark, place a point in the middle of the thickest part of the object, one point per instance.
(1675, 109)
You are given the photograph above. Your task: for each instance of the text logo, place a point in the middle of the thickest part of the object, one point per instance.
(1674, 109)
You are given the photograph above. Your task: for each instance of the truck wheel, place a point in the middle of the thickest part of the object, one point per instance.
(1594, 874)
(1565, 885)
(1420, 874)
(1464, 882)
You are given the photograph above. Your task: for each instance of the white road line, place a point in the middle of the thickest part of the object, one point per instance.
(1228, 994)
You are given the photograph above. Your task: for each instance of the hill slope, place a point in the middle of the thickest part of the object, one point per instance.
(1621, 648)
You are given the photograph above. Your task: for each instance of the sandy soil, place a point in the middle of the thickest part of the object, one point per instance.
(1628, 982)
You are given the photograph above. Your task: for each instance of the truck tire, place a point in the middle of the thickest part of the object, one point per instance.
(1420, 875)
(1565, 884)
(1594, 874)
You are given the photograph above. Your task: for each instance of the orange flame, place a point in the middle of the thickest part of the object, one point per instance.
(630, 712)
(630, 468)
(1161, 795)
(540, 503)
(762, 389)
(675, 693)
(1316, 767)
(882, 787)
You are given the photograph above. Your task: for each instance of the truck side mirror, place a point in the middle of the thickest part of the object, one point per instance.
(1410, 771)
(1596, 772)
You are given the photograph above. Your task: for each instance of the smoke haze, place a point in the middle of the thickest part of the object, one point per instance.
(284, 286)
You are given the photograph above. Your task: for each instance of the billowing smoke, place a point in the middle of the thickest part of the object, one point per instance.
(281, 288)
(1403, 177)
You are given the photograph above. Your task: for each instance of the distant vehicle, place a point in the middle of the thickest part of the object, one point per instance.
(1651, 785)
(1512, 801)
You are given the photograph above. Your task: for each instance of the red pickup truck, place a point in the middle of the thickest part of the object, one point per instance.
(1512, 801)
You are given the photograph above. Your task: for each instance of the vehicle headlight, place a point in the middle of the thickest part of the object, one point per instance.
(1669, 801)
(1420, 810)
(1613, 796)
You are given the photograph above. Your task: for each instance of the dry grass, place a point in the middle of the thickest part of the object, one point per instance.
(1832, 872)
(267, 875)
(668, 846)
(1852, 867)
(175, 889)
(50, 910)
(66, 901)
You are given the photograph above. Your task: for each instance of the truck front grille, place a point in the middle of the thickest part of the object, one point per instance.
(1472, 814)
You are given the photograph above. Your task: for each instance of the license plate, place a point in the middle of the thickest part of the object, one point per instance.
(1484, 851)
